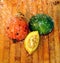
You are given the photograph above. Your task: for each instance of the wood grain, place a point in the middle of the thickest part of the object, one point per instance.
(51, 36)
(56, 37)
(49, 47)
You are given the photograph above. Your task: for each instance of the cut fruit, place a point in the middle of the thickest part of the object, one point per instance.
(31, 42)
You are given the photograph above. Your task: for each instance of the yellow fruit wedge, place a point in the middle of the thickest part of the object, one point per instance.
(31, 42)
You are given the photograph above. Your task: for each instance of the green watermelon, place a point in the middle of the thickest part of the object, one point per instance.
(42, 23)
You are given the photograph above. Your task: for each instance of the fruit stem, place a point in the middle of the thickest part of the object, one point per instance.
(19, 14)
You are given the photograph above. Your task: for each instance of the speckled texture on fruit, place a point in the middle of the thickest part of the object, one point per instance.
(42, 23)
(17, 28)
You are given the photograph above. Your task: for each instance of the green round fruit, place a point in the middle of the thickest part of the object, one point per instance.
(41, 23)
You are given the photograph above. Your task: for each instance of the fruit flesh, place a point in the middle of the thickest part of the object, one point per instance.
(31, 42)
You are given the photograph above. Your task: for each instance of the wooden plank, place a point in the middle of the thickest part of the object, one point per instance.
(58, 18)
(46, 50)
(35, 57)
(51, 48)
(40, 50)
(51, 36)
(56, 36)
(17, 53)
(23, 53)
(1, 37)
(12, 53)
(6, 50)
(1, 48)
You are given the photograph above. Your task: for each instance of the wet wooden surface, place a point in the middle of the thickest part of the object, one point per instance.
(49, 47)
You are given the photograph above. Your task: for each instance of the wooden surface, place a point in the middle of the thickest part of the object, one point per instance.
(49, 48)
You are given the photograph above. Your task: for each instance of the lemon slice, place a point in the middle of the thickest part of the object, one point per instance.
(31, 42)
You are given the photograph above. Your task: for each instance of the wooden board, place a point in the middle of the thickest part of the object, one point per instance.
(49, 47)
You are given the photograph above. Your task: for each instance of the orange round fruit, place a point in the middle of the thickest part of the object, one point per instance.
(17, 28)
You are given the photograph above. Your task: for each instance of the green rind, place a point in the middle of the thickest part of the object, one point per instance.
(41, 23)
